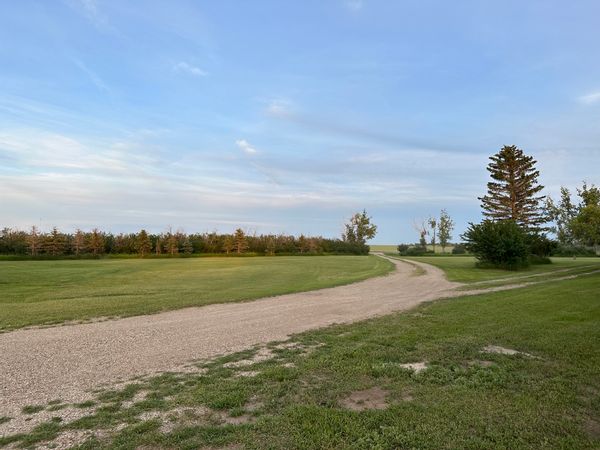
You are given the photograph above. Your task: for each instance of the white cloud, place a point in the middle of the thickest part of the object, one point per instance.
(592, 97)
(189, 69)
(245, 146)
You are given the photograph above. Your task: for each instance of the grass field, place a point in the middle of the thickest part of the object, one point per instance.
(45, 292)
(344, 386)
(463, 269)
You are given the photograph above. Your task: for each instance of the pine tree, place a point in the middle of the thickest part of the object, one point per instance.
(187, 246)
(512, 193)
(78, 242)
(171, 244)
(240, 241)
(143, 243)
(96, 243)
(55, 243)
(228, 244)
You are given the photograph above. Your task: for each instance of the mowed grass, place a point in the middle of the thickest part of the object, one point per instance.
(465, 399)
(48, 292)
(464, 270)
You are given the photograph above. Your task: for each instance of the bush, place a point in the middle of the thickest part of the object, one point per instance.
(413, 250)
(540, 245)
(500, 244)
(459, 249)
(403, 248)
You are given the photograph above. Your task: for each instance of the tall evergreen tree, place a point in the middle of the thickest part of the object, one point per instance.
(96, 242)
(241, 244)
(228, 244)
(143, 243)
(55, 242)
(512, 195)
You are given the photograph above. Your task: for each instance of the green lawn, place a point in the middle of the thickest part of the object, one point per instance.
(463, 269)
(465, 398)
(43, 292)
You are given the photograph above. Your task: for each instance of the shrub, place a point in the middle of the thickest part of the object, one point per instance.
(403, 248)
(540, 246)
(413, 250)
(459, 249)
(501, 244)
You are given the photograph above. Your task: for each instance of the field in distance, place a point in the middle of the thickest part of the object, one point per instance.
(48, 292)
(389, 248)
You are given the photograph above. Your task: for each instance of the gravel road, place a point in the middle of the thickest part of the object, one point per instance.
(65, 362)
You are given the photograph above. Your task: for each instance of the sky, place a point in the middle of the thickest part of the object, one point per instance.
(287, 116)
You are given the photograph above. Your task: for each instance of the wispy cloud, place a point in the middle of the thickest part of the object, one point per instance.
(185, 67)
(279, 107)
(354, 5)
(89, 9)
(245, 146)
(592, 97)
(94, 78)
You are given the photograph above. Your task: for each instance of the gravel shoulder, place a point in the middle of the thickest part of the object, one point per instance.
(41, 365)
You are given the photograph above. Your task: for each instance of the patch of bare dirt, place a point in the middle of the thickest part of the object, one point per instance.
(263, 354)
(415, 367)
(24, 423)
(505, 351)
(247, 374)
(374, 398)
(181, 415)
(67, 439)
(592, 428)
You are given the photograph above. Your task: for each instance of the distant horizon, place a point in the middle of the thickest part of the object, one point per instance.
(287, 118)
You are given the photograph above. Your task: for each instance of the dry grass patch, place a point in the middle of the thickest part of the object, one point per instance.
(373, 398)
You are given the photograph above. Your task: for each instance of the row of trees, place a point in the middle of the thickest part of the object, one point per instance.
(56, 243)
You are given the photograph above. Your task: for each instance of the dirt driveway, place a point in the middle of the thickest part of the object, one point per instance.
(40, 365)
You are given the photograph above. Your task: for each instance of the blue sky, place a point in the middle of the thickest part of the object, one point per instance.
(283, 116)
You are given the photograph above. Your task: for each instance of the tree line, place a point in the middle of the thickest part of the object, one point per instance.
(95, 243)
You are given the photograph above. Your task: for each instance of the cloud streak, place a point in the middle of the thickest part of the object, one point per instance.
(591, 98)
(184, 67)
